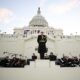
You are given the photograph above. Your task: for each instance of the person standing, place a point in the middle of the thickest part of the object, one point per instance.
(42, 39)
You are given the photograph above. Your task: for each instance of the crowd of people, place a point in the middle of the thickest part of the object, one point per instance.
(15, 61)
(66, 61)
(12, 62)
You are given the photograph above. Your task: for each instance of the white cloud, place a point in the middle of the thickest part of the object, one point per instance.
(63, 8)
(5, 15)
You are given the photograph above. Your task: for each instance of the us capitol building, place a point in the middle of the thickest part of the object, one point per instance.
(24, 40)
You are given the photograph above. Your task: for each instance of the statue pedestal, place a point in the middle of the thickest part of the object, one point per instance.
(42, 63)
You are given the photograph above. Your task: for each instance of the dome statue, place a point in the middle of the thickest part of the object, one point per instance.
(38, 20)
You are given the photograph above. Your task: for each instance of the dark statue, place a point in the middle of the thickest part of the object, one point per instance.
(42, 39)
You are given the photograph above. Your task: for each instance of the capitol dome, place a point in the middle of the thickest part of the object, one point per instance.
(38, 20)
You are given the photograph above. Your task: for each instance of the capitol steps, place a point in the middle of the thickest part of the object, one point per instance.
(41, 64)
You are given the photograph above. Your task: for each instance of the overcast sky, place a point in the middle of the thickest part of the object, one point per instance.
(64, 14)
